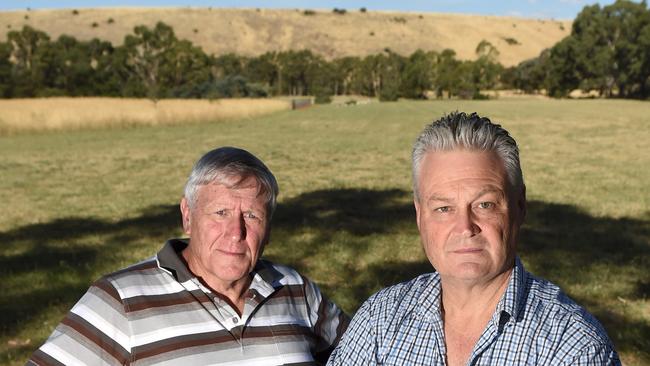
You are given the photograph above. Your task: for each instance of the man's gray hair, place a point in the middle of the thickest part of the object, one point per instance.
(224, 164)
(457, 131)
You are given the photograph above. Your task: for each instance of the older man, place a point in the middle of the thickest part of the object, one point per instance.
(210, 300)
(480, 307)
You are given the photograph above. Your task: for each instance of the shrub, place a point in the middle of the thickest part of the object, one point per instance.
(339, 11)
(94, 25)
(511, 41)
(323, 99)
(363, 10)
(110, 21)
(401, 20)
(309, 12)
(75, 12)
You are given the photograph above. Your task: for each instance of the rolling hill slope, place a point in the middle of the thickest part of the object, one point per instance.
(252, 32)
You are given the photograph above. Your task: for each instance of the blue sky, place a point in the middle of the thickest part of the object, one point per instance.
(556, 9)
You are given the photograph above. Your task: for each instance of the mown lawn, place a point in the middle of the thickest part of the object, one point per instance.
(81, 203)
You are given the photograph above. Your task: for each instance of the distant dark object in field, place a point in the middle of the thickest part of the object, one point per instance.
(301, 103)
(511, 41)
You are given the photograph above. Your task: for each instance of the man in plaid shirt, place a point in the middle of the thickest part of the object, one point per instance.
(480, 306)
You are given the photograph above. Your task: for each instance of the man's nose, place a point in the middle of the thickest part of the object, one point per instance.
(236, 229)
(465, 224)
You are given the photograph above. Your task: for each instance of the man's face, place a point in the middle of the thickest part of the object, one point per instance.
(227, 229)
(467, 216)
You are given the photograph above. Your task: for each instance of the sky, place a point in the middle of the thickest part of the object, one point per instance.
(546, 9)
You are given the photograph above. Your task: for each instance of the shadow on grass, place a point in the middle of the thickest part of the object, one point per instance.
(559, 242)
(56, 262)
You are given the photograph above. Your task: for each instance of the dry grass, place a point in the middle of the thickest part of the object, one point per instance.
(252, 32)
(51, 114)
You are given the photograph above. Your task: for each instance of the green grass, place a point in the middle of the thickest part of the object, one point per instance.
(82, 203)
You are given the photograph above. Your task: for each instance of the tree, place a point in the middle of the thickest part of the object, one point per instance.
(418, 74)
(229, 64)
(28, 50)
(343, 72)
(71, 67)
(265, 69)
(141, 57)
(530, 75)
(445, 75)
(563, 75)
(6, 87)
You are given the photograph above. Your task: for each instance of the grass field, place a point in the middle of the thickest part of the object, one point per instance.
(85, 202)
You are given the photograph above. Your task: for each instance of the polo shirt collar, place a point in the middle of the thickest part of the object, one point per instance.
(169, 259)
(266, 279)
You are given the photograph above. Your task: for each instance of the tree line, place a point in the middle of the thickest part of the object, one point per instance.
(608, 51)
(154, 63)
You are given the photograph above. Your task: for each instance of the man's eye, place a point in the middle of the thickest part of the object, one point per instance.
(250, 215)
(443, 209)
(486, 205)
(220, 212)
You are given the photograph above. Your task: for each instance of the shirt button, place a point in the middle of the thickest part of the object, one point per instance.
(234, 319)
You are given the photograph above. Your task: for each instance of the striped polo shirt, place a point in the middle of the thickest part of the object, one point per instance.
(157, 312)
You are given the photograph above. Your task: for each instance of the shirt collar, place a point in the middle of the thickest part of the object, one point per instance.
(513, 299)
(265, 278)
(430, 297)
(169, 259)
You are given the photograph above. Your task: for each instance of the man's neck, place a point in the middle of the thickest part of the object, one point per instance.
(467, 298)
(233, 292)
(466, 310)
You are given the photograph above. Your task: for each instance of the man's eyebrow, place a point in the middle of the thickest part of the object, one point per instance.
(490, 189)
(438, 197)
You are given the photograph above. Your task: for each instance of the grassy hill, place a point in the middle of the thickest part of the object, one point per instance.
(254, 31)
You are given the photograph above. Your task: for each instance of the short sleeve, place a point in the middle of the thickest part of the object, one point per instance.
(328, 321)
(94, 332)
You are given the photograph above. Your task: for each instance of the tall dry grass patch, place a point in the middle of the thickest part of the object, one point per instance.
(52, 114)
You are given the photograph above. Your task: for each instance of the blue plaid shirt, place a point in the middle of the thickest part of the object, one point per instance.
(535, 323)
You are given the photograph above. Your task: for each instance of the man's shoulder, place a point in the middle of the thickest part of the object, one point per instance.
(279, 273)
(548, 303)
(142, 274)
(403, 297)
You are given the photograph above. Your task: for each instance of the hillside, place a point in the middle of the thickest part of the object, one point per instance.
(252, 32)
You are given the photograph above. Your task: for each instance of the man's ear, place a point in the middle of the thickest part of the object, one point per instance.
(417, 212)
(522, 206)
(185, 213)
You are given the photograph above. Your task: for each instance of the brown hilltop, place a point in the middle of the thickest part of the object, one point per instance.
(252, 32)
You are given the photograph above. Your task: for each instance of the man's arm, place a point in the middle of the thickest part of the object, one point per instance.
(359, 344)
(94, 332)
(328, 321)
(595, 355)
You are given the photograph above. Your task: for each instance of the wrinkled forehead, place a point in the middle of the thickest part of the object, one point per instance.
(240, 183)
